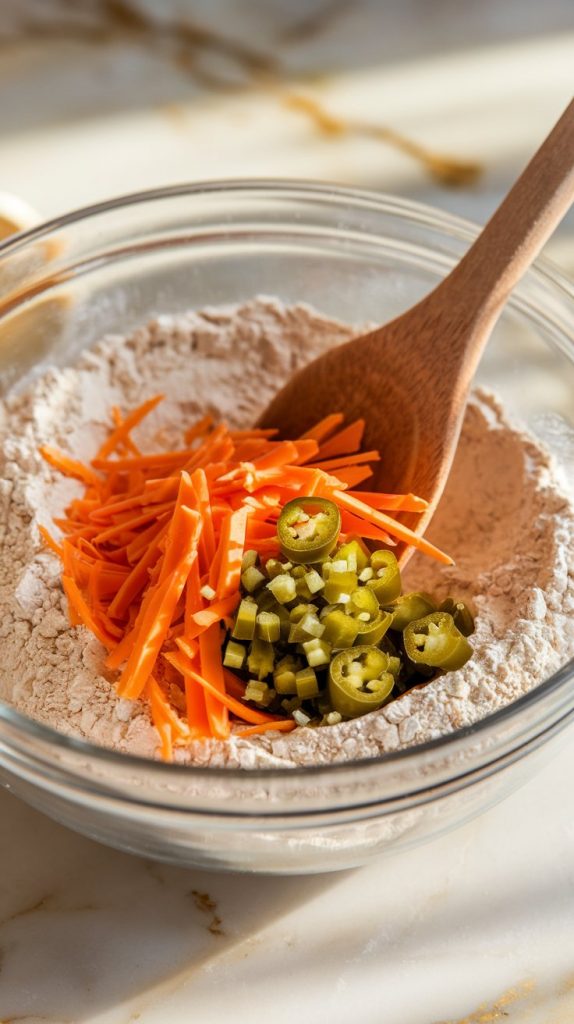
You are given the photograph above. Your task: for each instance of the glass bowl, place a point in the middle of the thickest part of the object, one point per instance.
(358, 257)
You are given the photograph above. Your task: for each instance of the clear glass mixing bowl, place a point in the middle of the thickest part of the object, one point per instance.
(358, 257)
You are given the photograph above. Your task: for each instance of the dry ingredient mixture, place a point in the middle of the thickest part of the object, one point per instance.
(505, 517)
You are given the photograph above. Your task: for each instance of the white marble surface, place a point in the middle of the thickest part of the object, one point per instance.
(474, 929)
(80, 121)
(477, 927)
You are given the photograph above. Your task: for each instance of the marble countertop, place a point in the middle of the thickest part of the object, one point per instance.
(477, 927)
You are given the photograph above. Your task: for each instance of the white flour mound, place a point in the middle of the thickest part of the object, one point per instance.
(505, 517)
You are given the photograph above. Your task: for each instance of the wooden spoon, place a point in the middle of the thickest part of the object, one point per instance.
(410, 379)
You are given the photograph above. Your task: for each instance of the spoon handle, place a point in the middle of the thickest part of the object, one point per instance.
(481, 283)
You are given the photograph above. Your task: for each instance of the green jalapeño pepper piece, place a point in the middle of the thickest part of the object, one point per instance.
(410, 607)
(259, 693)
(284, 674)
(340, 629)
(284, 622)
(374, 631)
(252, 578)
(355, 554)
(359, 681)
(308, 529)
(461, 613)
(371, 620)
(302, 590)
(273, 568)
(265, 601)
(283, 588)
(250, 558)
(317, 652)
(268, 626)
(314, 582)
(261, 658)
(363, 605)
(234, 655)
(306, 628)
(436, 641)
(386, 582)
(299, 611)
(340, 586)
(244, 626)
(306, 683)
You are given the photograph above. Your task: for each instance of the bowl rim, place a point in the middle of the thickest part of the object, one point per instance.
(382, 202)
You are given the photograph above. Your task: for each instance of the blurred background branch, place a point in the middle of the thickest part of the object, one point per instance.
(408, 95)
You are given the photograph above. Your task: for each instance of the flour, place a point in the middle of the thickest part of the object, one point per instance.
(505, 518)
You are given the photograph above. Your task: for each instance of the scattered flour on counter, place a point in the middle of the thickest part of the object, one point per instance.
(505, 517)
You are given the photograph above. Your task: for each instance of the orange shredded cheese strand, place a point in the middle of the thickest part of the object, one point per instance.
(82, 610)
(284, 725)
(155, 619)
(124, 427)
(212, 668)
(69, 467)
(50, 542)
(391, 526)
(325, 427)
(344, 442)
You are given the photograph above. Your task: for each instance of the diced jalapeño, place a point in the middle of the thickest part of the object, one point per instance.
(268, 626)
(261, 658)
(234, 655)
(340, 629)
(244, 628)
(307, 685)
(354, 550)
(340, 586)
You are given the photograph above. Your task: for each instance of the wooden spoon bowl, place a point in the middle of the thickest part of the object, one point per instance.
(410, 379)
